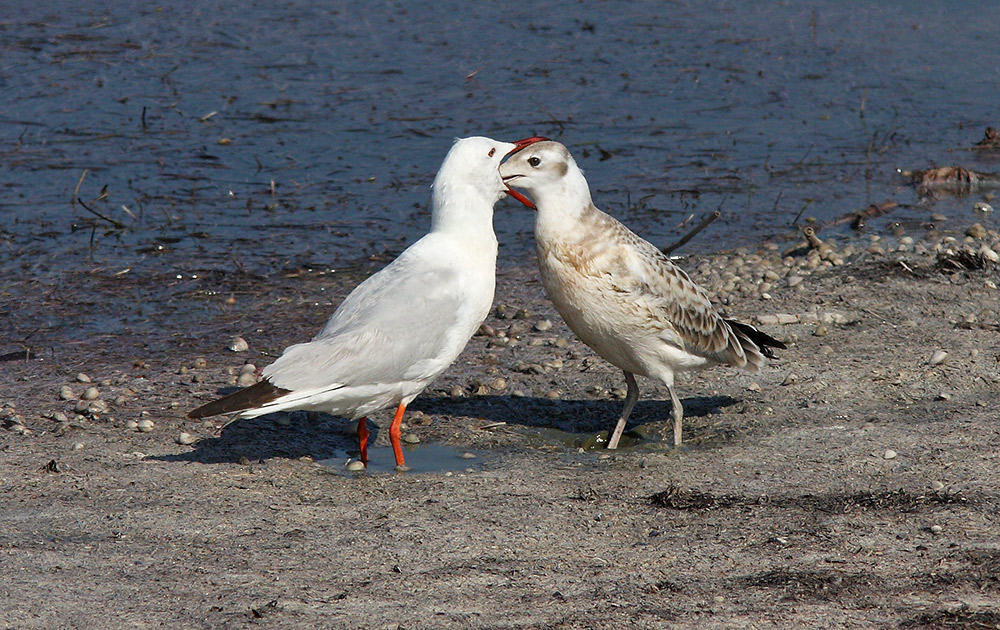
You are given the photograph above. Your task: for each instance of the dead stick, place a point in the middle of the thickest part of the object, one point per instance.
(690, 235)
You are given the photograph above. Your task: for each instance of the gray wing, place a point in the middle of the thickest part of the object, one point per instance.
(397, 325)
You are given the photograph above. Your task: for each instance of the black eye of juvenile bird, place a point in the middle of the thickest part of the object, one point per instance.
(534, 161)
(492, 151)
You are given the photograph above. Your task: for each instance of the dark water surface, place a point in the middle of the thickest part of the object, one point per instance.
(268, 135)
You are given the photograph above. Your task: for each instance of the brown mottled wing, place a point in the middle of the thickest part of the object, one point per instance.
(247, 398)
(683, 305)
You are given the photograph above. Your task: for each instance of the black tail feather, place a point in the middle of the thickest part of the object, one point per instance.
(763, 341)
(247, 398)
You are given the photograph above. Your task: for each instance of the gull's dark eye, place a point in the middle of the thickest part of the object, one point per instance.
(492, 151)
(533, 161)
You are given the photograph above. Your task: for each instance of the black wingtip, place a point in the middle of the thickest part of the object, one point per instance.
(248, 398)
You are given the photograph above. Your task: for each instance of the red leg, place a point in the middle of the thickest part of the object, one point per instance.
(363, 439)
(394, 433)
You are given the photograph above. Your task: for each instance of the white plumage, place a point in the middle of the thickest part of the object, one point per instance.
(402, 327)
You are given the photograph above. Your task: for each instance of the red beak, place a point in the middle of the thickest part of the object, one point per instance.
(518, 145)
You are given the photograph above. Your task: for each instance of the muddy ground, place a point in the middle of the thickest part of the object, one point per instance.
(851, 484)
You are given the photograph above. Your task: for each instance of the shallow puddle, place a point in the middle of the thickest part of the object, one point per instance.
(420, 458)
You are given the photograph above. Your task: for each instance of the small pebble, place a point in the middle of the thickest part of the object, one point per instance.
(468, 456)
(938, 357)
(936, 529)
(981, 206)
(238, 344)
(91, 393)
(457, 392)
(826, 350)
(791, 379)
(937, 486)
(199, 363)
(186, 438)
(83, 378)
(553, 394)
(59, 416)
(498, 384)
(248, 368)
(81, 406)
(355, 465)
(131, 425)
(145, 426)
(182, 370)
(66, 393)
(543, 325)
(821, 331)
(889, 454)
(411, 438)
(78, 446)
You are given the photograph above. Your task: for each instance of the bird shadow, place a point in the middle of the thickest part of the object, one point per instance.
(277, 435)
(322, 436)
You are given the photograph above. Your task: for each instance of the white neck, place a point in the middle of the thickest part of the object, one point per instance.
(463, 211)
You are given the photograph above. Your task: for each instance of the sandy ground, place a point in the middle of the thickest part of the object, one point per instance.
(851, 484)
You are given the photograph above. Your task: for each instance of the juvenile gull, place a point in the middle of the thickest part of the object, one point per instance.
(620, 294)
(399, 329)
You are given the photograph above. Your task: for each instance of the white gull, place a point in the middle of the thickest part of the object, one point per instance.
(402, 327)
(620, 294)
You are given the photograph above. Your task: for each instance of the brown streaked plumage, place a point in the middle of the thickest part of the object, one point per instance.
(621, 295)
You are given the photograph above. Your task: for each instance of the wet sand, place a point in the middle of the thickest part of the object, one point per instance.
(850, 484)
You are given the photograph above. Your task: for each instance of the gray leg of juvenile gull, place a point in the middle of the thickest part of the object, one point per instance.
(630, 397)
(677, 411)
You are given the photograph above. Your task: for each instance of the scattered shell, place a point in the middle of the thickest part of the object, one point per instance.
(91, 393)
(186, 438)
(246, 379)
(248, 368)
(182, 370)
(238, 344)
(78, 446)
(131, 425)
(543, 325)
(145, 426)
(791, 379)
(936, 529)
(821, 331)
(889, 454)
(66, 393)
(199, 363)
(988, 253)
(83, 378)
(468, 456)
(937, 486)
(59, 416)
(982, 206)
(411, 438)
(755, 387)
(976, 230)
(355, 465)
(457, 392)
(498, 384)
(938, 357)
(553, 394)
(944, 396)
